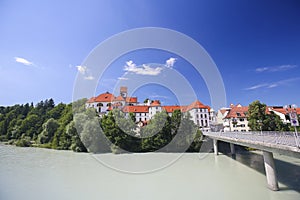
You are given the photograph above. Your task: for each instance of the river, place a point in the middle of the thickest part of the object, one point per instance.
(34, 173)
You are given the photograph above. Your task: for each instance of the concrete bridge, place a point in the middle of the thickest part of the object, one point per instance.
(286, 143)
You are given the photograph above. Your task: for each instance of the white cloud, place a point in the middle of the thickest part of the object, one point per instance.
(123, 78)
(89, 78)
(275, 68)
(143, 70)
(274, 84)
(262, 69)
(23, 61)
(254, 87)
(170, 62)
(81, 69)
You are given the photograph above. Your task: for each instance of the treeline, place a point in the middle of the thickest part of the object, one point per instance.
(55, 126)
(43, 125)
(118, 133)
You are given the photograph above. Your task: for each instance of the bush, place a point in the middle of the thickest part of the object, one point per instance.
(24, 142)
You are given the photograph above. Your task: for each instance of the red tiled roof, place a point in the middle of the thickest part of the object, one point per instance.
(155, 103)
(197, 104)
(136, 109)
(131, 99)
(105, 97)
(284, 111)
(91, 100)
(237, 111)
(170, 109)
(119, 98)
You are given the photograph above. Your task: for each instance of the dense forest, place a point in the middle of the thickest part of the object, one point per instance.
(56, 126)
(43, 125)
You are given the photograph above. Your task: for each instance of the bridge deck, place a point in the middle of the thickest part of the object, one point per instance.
(286, 143)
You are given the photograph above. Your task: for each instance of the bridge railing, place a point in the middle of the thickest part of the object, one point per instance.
(272, 137)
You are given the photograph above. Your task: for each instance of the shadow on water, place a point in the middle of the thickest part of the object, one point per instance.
(288, 173)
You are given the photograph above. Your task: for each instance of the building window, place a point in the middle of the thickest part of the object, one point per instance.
(201, 115)
(242, 119)
(243, 125)
(238, 114)
(205, 115)
(197, 116)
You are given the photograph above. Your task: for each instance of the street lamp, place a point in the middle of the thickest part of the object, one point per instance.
(291, 109)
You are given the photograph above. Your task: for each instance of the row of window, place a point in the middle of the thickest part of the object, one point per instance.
(239, 125)
(202, 123)
(201, 116)
(201, 110)
(141, 119)
(141, 114)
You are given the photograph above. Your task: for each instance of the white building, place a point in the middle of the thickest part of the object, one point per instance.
(107, 101)
(200, 114)
(234, 118)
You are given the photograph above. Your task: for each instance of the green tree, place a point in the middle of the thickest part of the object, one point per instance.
(31, 125)
(274, 123)
(49, 129)
(259, 119)
(257, 116)
(157, 133)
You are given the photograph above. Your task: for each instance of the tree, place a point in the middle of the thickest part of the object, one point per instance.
(56, 112)
(175, 121)
(31, 125)
(49, 129)
(259, 119)
(157, 133)
(256, 115)
(185, 134)
(274, 123)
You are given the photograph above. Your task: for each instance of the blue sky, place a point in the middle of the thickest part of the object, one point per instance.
(255, 45)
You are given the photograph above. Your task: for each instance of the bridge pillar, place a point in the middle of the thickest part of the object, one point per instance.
(270, 170)
(215, 146)
(232, 149)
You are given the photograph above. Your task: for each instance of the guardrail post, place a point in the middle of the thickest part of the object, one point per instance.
(270, 170)
(215, 146)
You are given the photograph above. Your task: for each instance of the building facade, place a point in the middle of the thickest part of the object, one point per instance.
(200, 114)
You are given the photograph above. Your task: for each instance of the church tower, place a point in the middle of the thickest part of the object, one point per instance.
(123, 91)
